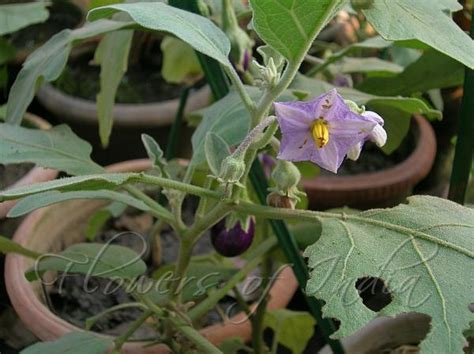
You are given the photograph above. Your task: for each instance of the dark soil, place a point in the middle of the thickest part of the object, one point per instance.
(62, 15)
(373, 159)
(73, 300)
(142, 83)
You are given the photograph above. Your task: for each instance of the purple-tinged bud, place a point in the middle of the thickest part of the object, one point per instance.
(234, 241)
(277, 200)
(246, 60)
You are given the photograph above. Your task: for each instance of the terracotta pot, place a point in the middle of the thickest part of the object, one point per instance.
(51, 229)
(36, 174)
(130, 121)
(376, 189)
(385, 334)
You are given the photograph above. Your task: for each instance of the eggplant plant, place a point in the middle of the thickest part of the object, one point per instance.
(422, 251)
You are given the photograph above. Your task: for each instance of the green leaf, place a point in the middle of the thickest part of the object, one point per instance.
(89, 182)
(112, 55)
(425, 21)
(350, 65)
(205, 272)
(98, 3)
(396, 111)
(232, 346)
(47, 63)
(36, 201)
(197, 31)
(423, 251)
(155, 153)
(226, 118)
(57, 148)
(8, 246)
(98, 220)
(290, 26)
(92, 259)
(292, 329)
(73, 343)
(180, 63)
(14, 17)
(216, 150)
(432, 70)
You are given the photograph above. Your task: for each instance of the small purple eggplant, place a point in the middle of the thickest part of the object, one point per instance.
(234, 241)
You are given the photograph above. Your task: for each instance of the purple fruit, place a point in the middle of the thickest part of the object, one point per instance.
(232, 242)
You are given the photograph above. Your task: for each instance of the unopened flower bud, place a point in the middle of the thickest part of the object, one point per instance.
(277, 200)
(232, 169)
(286, 175)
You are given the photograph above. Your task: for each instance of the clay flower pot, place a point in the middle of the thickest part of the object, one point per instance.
(36, 174)
(52, 228)
(376, 189)
(130, 121)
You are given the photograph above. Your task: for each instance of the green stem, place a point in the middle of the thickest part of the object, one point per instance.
(255, 257)
(464, 146)
(120, 341)
(194, 336)
(157, 210)
(258, 319)
(180, 186)
(239, 86)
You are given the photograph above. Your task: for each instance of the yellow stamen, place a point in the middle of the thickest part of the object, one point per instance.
(320, 132)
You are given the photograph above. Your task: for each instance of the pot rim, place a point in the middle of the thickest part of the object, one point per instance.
(47, 326)
(35, 175)
(83, 111)
(412, 170)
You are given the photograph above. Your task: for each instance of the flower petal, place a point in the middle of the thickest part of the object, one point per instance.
(354, 152)
(329, 157)
(378, 136)
(294, 115)
(351, 125)
(296, 147)
(373, 117)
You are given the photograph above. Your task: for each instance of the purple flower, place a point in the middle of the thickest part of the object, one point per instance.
(232, 242)
(322, 130)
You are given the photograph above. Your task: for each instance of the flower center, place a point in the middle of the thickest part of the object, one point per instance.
(320, 132)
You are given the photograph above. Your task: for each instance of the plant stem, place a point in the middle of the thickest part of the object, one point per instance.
(180, 186)
(258, 318)
(120, 341)
(255, 258)
(157, 210)
(240, 87)
(194, 336)
(464, 146)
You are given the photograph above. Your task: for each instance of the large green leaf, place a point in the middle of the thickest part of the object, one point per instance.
(432, 70)
(290, 26)
(14, 17)
(93, 259)
(197, 31)
(47, 63)
(180, 62)
(350, 65)
(396, 111)
(227, 118)
(425, 21)
(73, 343)
(112, 55)
(292, 329)
(89, 182)
(424, 253)
(57, 148)
(36, 201)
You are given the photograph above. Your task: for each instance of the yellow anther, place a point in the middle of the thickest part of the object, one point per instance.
(320, 132)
